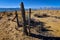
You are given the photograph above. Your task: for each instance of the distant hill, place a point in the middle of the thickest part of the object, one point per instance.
(50, 8)
(45, 8)
(8, 9)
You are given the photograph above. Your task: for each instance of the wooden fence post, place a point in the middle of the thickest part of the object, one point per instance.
(17, 18)
(24, 19)
(29, 18)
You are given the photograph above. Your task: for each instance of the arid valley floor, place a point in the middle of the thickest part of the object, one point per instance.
(48, 19)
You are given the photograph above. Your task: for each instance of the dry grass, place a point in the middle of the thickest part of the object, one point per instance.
(8, 27)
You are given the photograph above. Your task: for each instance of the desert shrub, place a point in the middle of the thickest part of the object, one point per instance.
(41, 16)
(0, 18)
(10, 14)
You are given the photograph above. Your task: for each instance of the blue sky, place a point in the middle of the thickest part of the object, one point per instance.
(29, 3)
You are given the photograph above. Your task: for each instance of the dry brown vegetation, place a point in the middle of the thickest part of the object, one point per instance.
(47, 19)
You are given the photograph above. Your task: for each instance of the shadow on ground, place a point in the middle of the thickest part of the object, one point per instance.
(40, 24)
(43, 37)
(34, 23)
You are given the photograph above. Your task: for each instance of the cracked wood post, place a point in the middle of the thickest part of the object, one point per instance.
(17, 18)
(29, 17)
(24, 19)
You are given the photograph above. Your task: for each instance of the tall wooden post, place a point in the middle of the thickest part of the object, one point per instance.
(29, 17)
(24, 19)
(17, 18)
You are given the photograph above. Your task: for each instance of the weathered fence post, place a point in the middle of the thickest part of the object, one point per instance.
(17, 18)
(24, 19)
(29, 17)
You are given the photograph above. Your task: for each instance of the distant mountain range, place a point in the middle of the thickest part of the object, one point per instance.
(8, 9)
(44, 8)
(50, 8)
